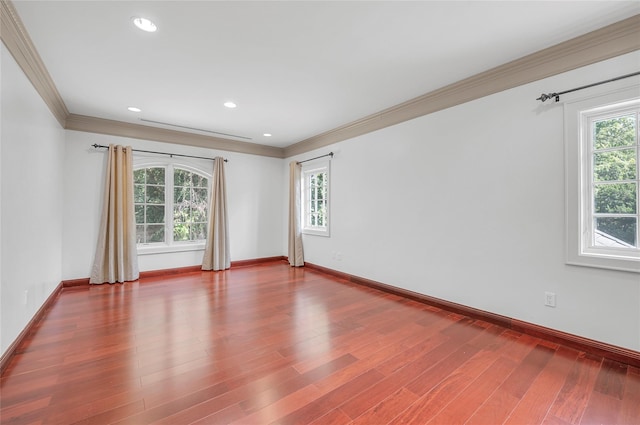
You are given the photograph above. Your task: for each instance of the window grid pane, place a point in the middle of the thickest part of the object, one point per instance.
(618, 232)
(615, 132)
(149, 204)
(190, 206)
(316, 199)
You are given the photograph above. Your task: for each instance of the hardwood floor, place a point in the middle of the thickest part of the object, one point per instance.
(274, 344)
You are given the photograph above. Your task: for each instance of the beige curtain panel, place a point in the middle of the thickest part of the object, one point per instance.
(116, 258)
(216, 252)
(296, 254)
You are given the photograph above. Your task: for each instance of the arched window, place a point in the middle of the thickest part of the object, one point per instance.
(171, 205)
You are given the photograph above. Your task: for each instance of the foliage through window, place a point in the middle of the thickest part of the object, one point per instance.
(149, 190)
(170, 201)
(316, 199)
(614, 187)
(189, 206)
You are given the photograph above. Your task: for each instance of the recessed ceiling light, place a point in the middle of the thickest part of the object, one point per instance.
(144, 24)
(267, 134)
(230, 105)
(134, 109)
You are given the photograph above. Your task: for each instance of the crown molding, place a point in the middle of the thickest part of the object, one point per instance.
(605, 43)
(138, 131)
(17, 40)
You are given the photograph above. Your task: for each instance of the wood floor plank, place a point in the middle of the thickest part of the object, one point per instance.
(275, 344)
(495, 409)
(388, 408)
(554, 420)
(220, 417)
(334, 417)
(226, 406)
(462, 406)
(114, 414)
(150, 415)
(520, 380)
(574, 395)
(630, 412)
(330, 400)
(15, 411)
(364, 364)
(498, 407)
(426, 381)
(274, 393)
(92, 406)
(393, 363)
(543, 390)
(449, 380)
(601, 409)
(605, 403)
(611, 379)
(282, 407)
(400, 378)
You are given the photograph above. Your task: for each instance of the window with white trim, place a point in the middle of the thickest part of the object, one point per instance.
(603, 214)
(171, 206)
(315, 198)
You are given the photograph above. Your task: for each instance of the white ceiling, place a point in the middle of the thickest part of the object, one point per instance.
(297, 68)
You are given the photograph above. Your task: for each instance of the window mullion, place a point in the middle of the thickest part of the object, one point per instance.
(168, 204)
(590, 177)
(638, 179)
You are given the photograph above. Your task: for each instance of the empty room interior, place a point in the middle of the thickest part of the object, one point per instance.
(320, 212)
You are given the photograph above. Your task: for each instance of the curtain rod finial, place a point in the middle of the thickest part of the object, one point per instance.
(543, 97)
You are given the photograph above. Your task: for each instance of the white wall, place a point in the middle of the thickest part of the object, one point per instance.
(31, 158)
(467, 205)
(254, 207)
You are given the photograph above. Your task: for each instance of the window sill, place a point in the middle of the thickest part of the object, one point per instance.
(627, 264)
(315, 232)
(149, 249)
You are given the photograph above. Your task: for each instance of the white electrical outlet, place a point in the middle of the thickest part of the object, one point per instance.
(550, 299)
(25, 300)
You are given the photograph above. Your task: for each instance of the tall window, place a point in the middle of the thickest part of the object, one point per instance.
(315, 199)
(603, 180)
(171, 205)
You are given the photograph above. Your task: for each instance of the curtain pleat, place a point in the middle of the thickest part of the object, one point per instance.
(296, 254)
(216, 253)
(116, 257)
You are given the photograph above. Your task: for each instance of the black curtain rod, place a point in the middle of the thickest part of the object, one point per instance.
(317, 157)
(544, 97)
(95, 145)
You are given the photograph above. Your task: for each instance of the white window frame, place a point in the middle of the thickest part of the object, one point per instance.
(169, 245)
(580, 249)
(308, 169)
